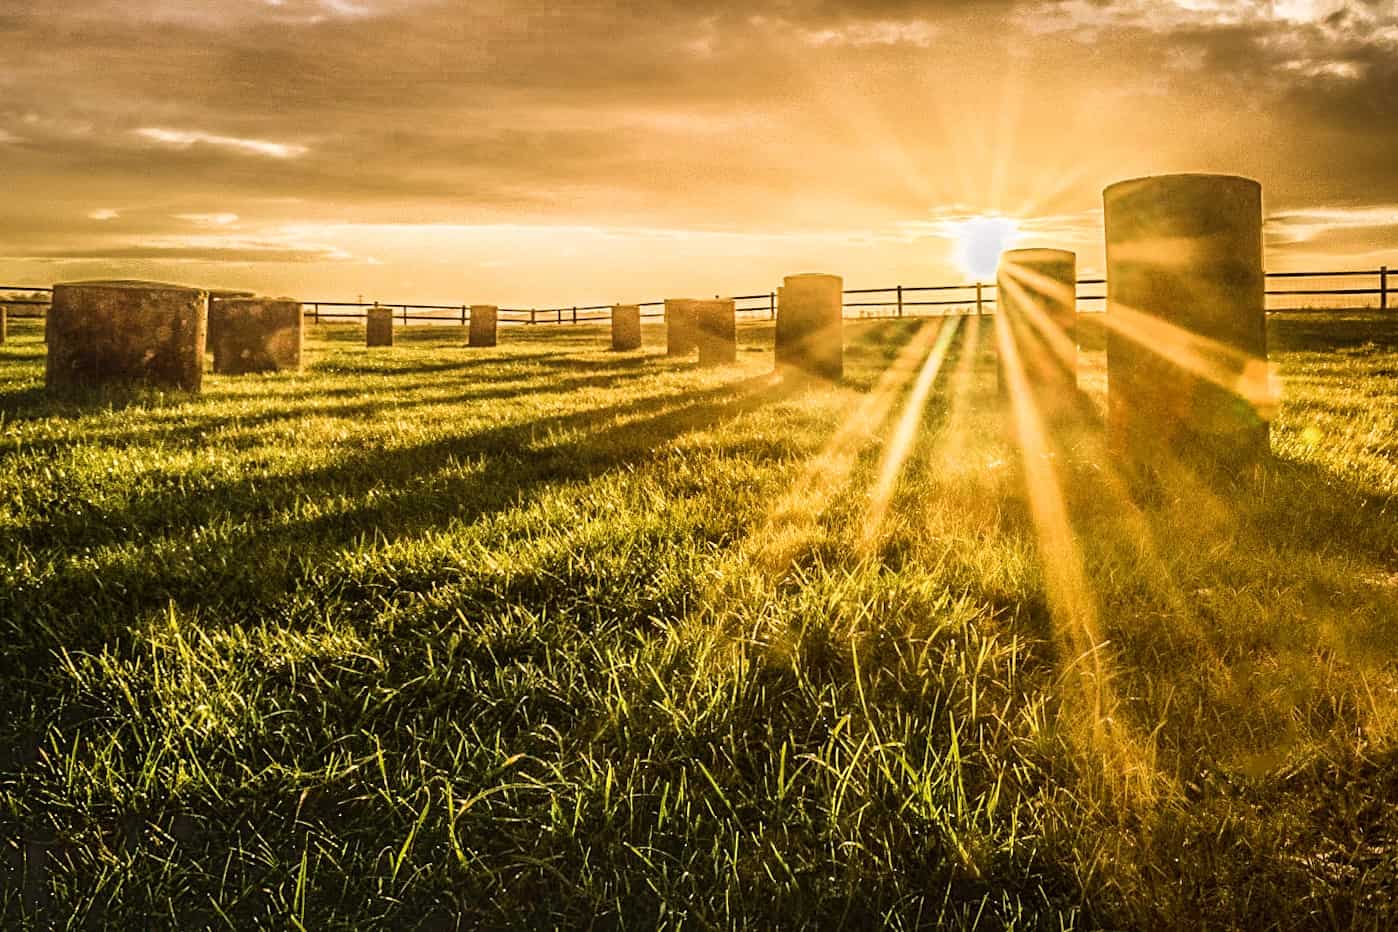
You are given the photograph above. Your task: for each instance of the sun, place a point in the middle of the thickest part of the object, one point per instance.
(979, 242)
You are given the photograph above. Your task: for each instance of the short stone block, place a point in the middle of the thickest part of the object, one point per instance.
(212, 334)
(716, 331)
(484, 321)
(257, 335)
(114, 332)
(378, 326)
(626, 327)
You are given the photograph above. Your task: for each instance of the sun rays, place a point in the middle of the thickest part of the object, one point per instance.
(905, 434)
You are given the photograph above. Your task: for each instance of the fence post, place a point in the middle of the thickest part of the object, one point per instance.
(558, 315)
(900, 300)
(405, 315)
(463, 315)
(771, 305)
(575, 313)
(316, 312)
(1383, 288)
(980, 301)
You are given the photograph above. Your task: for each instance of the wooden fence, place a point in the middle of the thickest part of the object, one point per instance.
(1292, 291)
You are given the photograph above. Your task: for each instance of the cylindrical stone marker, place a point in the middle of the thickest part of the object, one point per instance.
(257, 335)
(378, 326)
(112, 332)
(810, 325)
(484, 318)
(4, 323)
(681, 335)
(1036, 291)
(626, 327)
(1186, 320)
(716, 331)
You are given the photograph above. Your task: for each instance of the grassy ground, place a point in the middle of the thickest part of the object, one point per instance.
(548, 636)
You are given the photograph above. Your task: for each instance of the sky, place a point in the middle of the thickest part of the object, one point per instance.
(531, 154)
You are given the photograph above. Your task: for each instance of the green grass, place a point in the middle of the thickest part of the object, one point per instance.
(547, 636)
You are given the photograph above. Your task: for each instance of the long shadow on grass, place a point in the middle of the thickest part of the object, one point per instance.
(279, 409)
(227, 549)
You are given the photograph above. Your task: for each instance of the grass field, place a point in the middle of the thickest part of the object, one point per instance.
(547, 636)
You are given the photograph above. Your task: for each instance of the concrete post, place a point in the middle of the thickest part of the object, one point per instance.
(716, 331)
(378, 326)
(810, 325)
(213, 331)
(257, 335)
(484, 318)
(108, 332)
(1036, 295)
(680, 335)
(1186, 318)
(626, 327)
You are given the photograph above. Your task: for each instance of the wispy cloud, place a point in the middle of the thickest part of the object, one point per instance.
(104, 213)
(1299, 226)
(183, 139)
(868, 34)
(209, 220)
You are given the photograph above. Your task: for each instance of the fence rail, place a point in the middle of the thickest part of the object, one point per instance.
(893, 301)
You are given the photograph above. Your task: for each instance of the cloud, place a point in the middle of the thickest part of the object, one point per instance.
(211, 254)
(104, 213)
(1300, 226)
(183, 139)
(799, 124)
(209, 220)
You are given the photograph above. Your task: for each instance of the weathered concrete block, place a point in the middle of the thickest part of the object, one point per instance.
(257, 335)
(1036, 292)
(112, 332)
(810, 325)
(378, 326)
(681, 332)
(626, 327)
(484, 319)
(212, 329)
(716, 331)
(1186, 319)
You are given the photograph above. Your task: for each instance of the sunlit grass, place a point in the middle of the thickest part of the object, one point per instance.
(549, 636)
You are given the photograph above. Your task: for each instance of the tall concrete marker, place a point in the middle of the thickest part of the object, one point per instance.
(1186, 320)
(716, 331)
(626, 327)
(378, 326)
(484, 320)
(1036, 298)
(681, 337)
(810, 325)
(111, 332)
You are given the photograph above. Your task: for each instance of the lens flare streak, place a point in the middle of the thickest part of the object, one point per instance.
(904, 437)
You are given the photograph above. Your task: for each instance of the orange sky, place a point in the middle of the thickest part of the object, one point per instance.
(527, 153)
